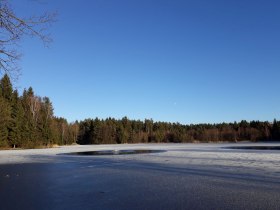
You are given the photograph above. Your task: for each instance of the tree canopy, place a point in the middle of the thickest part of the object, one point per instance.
(28, 121)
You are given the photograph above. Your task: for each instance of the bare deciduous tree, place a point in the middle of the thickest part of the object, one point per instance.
(13, 28)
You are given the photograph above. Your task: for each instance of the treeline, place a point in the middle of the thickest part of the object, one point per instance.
(112, 131)
(27, 121)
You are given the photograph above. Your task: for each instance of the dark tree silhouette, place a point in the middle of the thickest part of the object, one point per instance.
(28, 121)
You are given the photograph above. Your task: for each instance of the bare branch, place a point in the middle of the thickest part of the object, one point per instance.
(12, 31)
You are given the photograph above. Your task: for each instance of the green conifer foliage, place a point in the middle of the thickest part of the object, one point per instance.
(28, 121)
(17, 120)
(6, 88)
(5, 113)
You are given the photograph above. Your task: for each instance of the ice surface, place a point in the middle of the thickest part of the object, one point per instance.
(208, 156)
(185, 176)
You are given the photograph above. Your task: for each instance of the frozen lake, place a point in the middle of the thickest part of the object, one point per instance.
(183, 176)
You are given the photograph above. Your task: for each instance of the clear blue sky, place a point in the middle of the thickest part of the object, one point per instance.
(187, 61)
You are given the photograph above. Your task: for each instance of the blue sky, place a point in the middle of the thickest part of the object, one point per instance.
(187, 61)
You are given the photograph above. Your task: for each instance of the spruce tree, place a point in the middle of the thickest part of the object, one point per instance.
(5, 113)
(6, 88)
(46, 118)
(17, 120)
(6, 91)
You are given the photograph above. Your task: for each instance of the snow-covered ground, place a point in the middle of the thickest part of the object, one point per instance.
(208, 156)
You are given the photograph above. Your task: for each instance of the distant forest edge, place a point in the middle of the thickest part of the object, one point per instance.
(28, 121)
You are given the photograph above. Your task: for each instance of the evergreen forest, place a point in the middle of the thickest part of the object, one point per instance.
(28, 121)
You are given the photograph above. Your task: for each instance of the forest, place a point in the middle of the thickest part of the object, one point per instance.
(28, 121)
